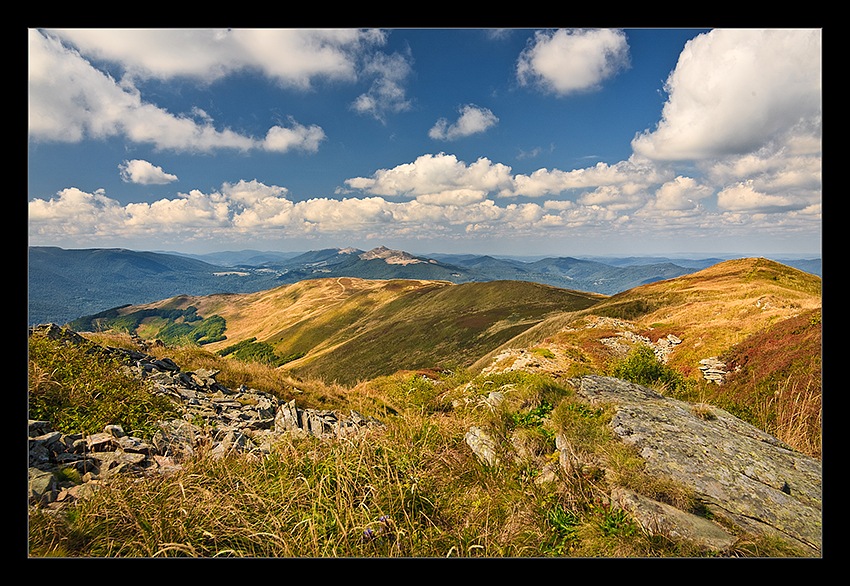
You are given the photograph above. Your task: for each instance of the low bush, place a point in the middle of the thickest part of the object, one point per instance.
(643, 367)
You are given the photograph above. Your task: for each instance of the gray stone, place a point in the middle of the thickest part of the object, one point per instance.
(744, 475)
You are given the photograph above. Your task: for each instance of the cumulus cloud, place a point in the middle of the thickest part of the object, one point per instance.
(683, 193)
(459, 197)
(144, 173)
(569, 61)
(70, 99)
(298, 136)
(292, 57)
(735, 91)
(472, 120)
(744, 197)
(251, 209)
(548, 182)
(387, 94)
(433, 174)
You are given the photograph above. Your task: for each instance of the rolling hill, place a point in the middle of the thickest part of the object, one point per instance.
(346, 330)
(66, 284)
(709, 311)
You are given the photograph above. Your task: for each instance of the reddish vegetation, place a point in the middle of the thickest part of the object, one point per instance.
(775, 381)
(788, 349)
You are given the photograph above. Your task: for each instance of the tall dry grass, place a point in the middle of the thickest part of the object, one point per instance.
(794, 415)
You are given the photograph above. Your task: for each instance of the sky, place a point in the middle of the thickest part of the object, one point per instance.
(517, 141)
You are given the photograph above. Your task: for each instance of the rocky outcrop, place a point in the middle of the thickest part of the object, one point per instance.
(743, 476)
(745, 481)
(213, 418)
(713, 369)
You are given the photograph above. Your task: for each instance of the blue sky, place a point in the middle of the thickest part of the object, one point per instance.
(518, 141)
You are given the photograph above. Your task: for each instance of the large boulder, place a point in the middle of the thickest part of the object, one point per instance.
(744, 476)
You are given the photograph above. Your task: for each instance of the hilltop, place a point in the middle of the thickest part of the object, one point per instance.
(710, 310)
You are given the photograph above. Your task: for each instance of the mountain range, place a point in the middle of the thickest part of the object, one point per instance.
(66, 284)
(345, 330)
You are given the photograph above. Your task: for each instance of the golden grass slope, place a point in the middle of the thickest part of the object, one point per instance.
(709, 311)
(350, 329)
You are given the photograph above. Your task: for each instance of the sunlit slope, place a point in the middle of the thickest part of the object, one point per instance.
(709, 311)
(351, 329)
(440, 327)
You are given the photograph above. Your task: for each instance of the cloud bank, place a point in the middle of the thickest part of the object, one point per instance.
(743, 109)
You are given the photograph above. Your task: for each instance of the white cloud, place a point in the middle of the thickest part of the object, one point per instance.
(459, 197)
(306, 138)
(614, 197)
(545, 182)
(70, 100)
(683, 193)
(434, 174)
(255, 211)
(292, 57)
(144, 173)
(74, 212)
(736, 91)
(570, 61)
(745, 198)
(387, 93)
(473, 120)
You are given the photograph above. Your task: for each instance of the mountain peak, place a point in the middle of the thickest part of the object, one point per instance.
(391, 257)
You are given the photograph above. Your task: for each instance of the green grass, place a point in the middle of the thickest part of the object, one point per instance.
(80, 392)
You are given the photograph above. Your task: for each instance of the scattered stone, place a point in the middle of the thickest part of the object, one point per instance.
(214, 417)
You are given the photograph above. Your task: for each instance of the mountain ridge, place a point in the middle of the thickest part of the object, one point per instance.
(345, 329)
(66, 284)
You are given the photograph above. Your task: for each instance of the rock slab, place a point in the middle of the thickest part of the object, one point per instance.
(742, 474)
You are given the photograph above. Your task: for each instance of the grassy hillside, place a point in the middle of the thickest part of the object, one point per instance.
(347, 329)
(446, 327)
(417, 486)
(710, 311)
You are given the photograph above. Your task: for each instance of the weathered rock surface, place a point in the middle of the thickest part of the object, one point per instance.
(744, 476)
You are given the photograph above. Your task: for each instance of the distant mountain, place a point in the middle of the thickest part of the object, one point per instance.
(232, 258)
(67, 284)
(809, 265)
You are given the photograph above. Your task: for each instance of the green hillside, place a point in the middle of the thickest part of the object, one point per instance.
(346, 330)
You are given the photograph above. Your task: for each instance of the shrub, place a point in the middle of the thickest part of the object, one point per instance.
(643, 367)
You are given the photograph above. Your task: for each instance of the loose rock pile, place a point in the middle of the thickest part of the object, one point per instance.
(63, 467)
(713, 370)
